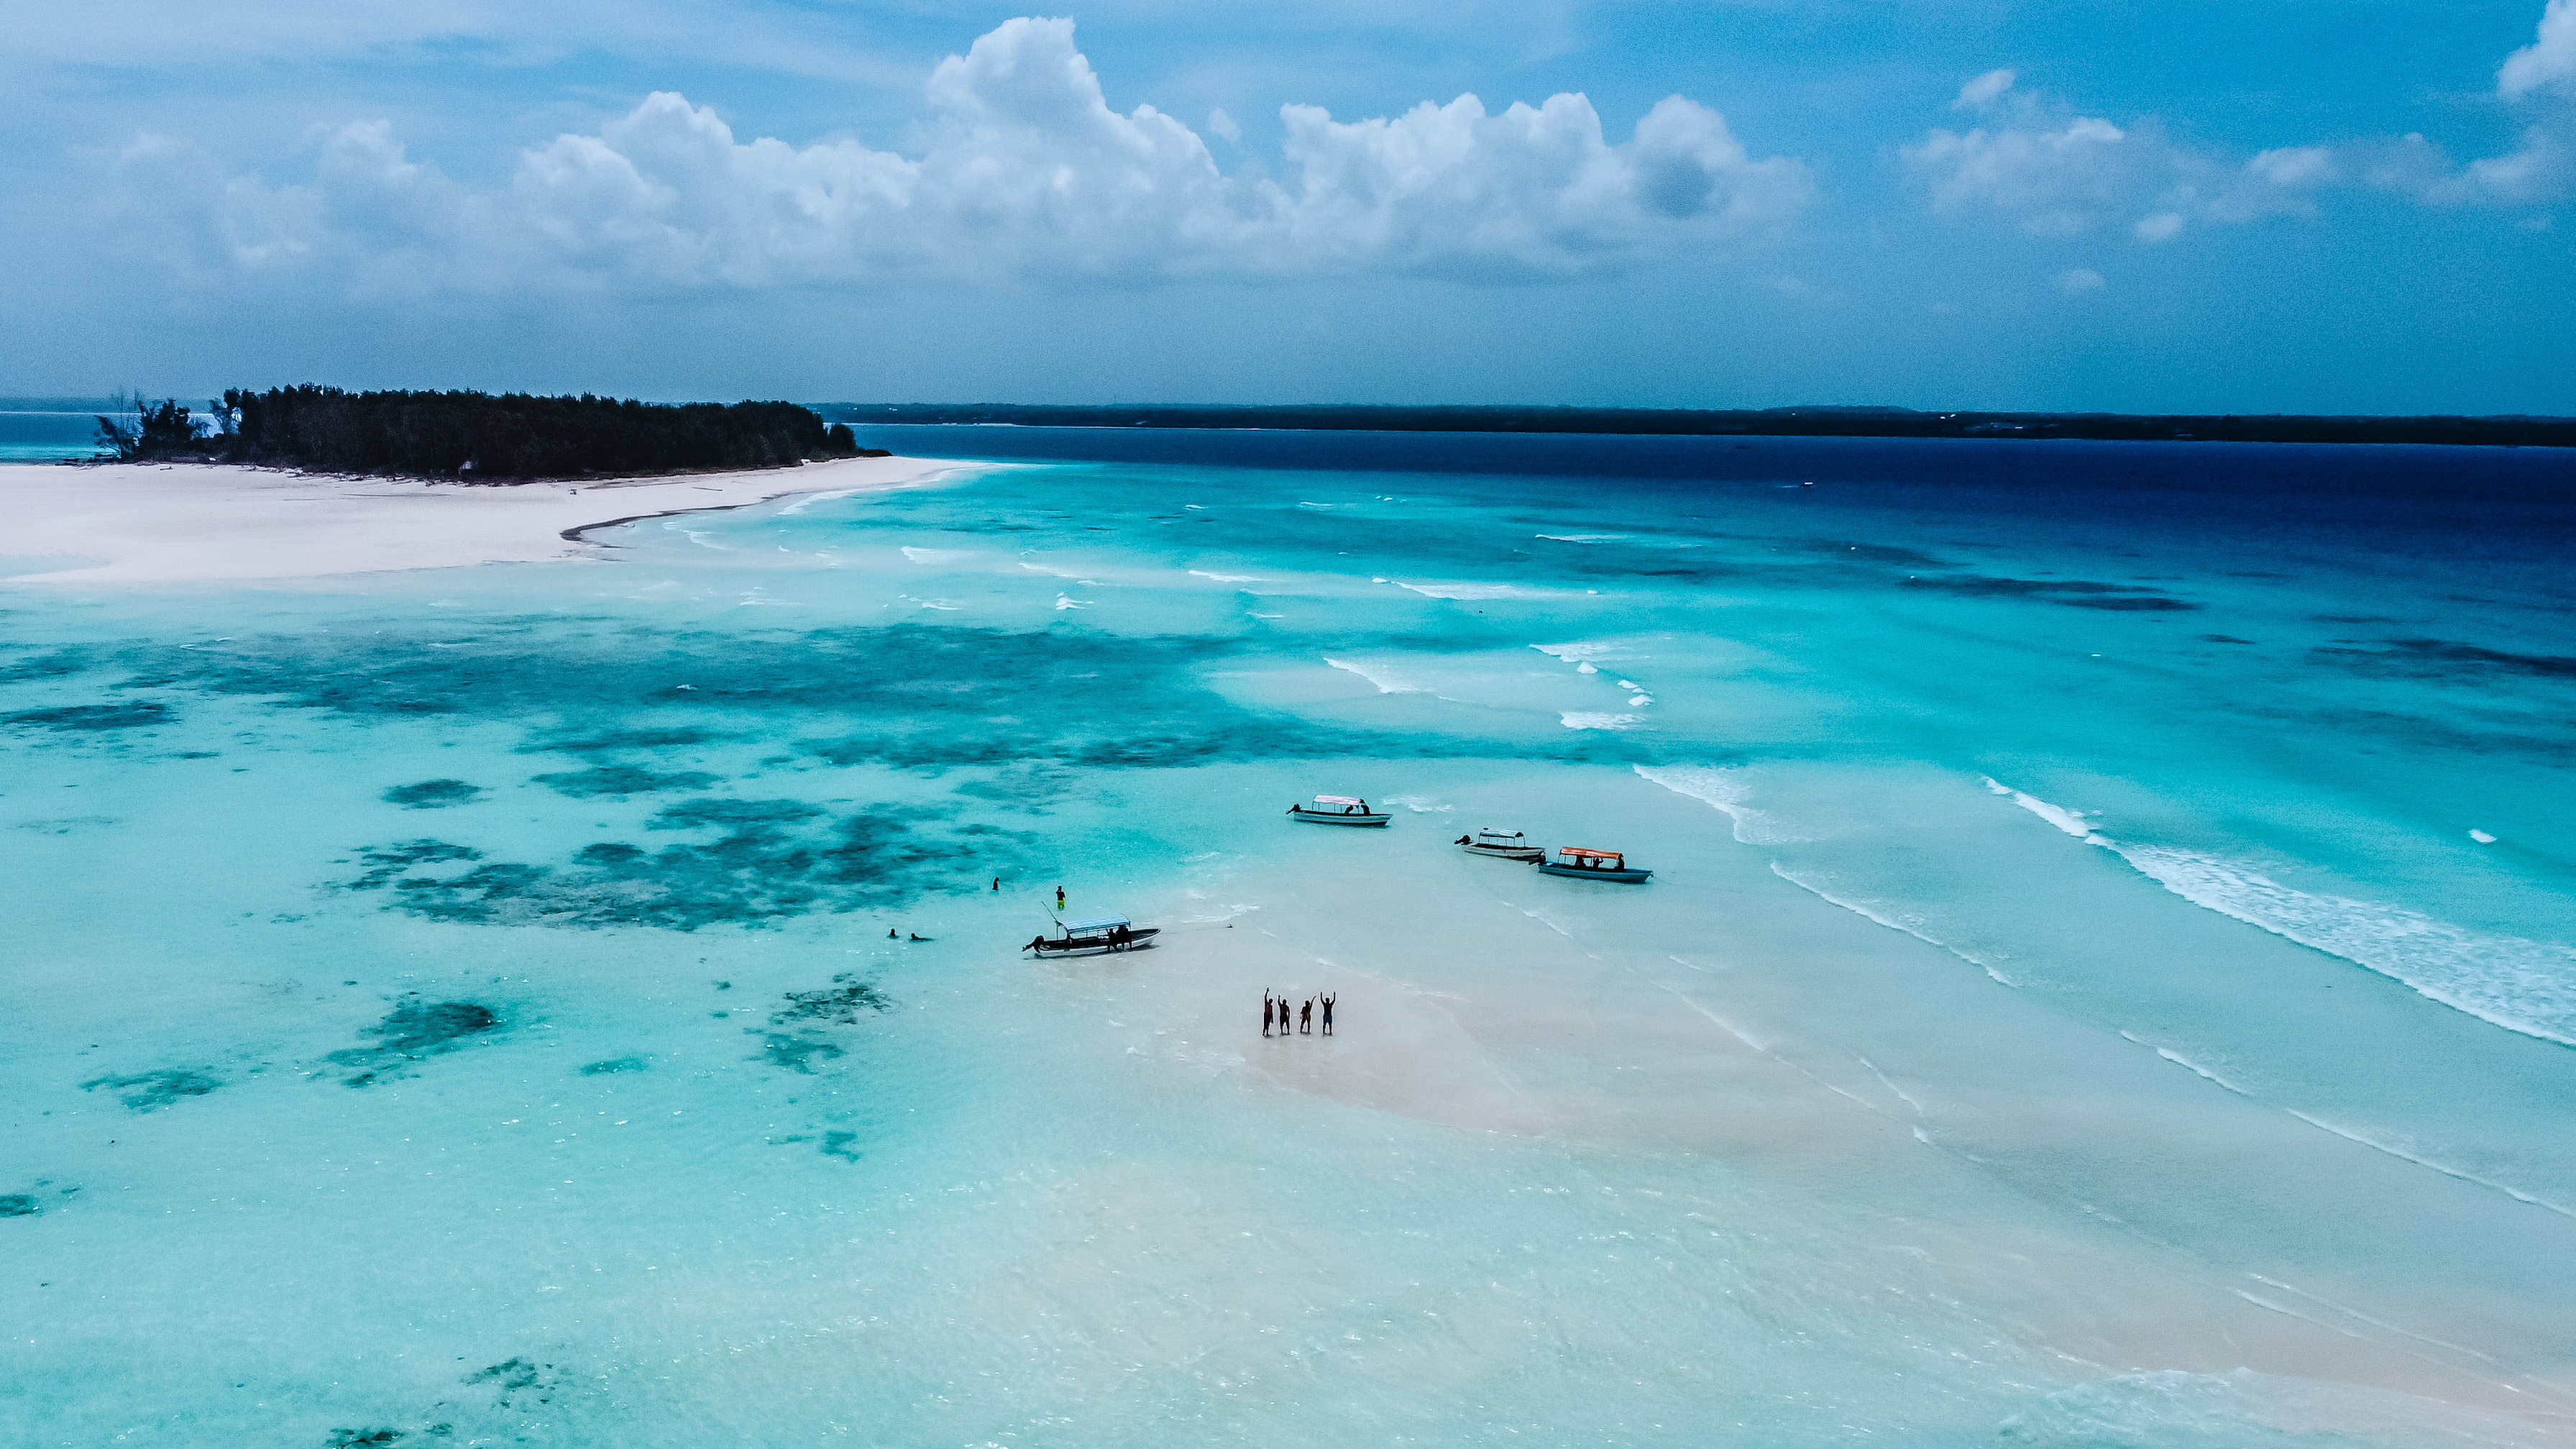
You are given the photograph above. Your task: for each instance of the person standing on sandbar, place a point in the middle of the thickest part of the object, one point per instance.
(1328, 1014)
(1265, 1013)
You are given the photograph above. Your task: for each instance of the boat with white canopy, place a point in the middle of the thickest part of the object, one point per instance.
(1576, 861)
(1495, 845)
(1094, 937)
(1338, 810)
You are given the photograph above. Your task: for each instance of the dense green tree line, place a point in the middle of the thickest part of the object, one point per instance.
(475, 435)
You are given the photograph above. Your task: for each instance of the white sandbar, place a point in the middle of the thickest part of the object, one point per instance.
(162, 523)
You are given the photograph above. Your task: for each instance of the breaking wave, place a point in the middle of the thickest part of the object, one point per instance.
(2521, 985)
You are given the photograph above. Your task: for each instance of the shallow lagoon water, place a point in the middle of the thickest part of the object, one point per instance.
(2071, 1007)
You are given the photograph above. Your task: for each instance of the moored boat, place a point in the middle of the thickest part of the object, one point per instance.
(1593, 865)
(1496, 845)
(1338, 810)
(1096, 936)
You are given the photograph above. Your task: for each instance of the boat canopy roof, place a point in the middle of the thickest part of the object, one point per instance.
(1589, 854)
(1096, 923)
(1501, 834)
(1338, 800)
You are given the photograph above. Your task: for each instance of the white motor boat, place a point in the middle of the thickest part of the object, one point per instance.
(1094, 937)
(1495, 845)
(1338, 810)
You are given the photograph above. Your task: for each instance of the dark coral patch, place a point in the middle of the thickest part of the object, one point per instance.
(770, 859)
(615, 740)
(2077, 593)
(415, 1030)
(2435, 658)
(620, 781)
(361, 1438)
(131, 715)
(797, 1053)
(837, 1144)
(2556, 665)
(432, 794)
(18, 1205)
(388, 861)
(518, 1376)
(146, 1091)
(701, 814)
(842, 1002)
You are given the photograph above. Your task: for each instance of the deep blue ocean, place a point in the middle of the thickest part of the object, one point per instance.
(2109, 976)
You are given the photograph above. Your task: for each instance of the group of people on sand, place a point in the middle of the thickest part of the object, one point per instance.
(1275, 1009)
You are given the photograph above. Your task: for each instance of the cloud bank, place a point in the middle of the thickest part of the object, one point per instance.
(2061, 174)
(1023, 170)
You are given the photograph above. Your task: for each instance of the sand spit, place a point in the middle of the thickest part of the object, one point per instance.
(143, 523)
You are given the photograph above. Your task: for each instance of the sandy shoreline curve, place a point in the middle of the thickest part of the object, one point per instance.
(145, 523)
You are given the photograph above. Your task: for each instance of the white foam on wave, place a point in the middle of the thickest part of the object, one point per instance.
(1581, 655)
(2445, 1169)
(2187, 1064)
(1912, 927)
(1583, 537)
(1722, 790)
(933, 555)
(1387, 680)
(2521, 985)
(1579, 719)
(2070, 821)
(1062, 602)
(1051, 573)
(1420, 804)
(1226, 578)
(1479, 591)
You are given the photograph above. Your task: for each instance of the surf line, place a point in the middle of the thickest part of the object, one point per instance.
(574, 534)
(2403, 1156)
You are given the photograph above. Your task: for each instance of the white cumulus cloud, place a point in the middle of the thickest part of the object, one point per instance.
(1021, 168)
(2065, 175)
(1983, 90)
(2550, 59)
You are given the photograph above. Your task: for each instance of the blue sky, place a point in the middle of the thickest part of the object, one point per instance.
(2316, 205)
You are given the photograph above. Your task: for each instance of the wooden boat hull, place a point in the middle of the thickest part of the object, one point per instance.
(1529, 853)
(1318, 817)
(1143, 937)
(1576, 872)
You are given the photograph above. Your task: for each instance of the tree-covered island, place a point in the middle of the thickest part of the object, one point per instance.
(474, 436)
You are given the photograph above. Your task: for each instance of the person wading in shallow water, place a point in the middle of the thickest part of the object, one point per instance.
(1306, 1018)
(1059, 898)
(1328, 1014)
(1265, 1013)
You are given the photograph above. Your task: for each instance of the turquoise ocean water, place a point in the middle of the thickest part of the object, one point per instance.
(2107, 981)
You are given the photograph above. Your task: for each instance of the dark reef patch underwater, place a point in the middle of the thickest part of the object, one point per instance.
(146, 1091)
(411, 1032)
(771, 859)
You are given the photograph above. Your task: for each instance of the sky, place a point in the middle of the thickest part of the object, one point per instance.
(2342, 206)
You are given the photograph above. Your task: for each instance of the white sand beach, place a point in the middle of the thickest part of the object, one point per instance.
(132, 523)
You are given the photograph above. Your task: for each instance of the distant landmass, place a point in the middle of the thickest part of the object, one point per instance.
(1797, 422)
(473, 436)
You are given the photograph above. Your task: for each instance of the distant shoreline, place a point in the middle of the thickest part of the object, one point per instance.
(1819, 422)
